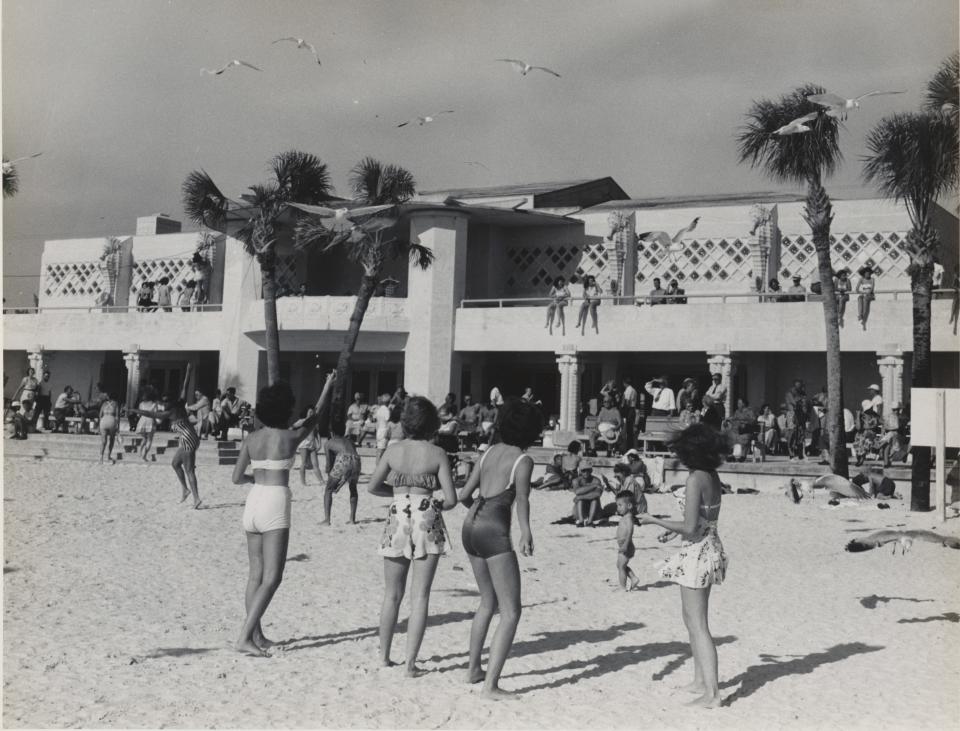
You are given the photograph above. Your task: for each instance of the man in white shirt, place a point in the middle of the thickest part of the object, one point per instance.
(383, 422)
(715, 401)
(664, 403)
(629, 413)
(874, 399)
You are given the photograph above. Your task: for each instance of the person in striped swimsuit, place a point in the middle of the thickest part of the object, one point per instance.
(184, 459)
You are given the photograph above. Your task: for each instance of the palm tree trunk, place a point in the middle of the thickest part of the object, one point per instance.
(921, 285)
(368, 283)
(818, 213)
(271, 324)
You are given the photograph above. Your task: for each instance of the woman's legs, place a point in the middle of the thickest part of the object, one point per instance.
(147, 444)
(333, 484)
(481, 620)
(315, 461)
(177, 465)
(354, 498)
(695, 606)
(593, 315)
(103, 445)
(395, 582)
(505, 576)
(582, 316)
(111, 438)
(562, 320)
(272, 557)
(303, 466)
(423, 571)
(551, 311)
(189, 461)
(255, 554)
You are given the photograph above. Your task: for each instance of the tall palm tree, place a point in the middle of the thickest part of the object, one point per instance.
(913, 159)
(806, 158)
(11, 180)
(298, 177)
(370, 243)
(943, 93)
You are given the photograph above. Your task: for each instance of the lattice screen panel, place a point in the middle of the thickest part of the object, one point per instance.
(881, 250)
(176, 268)
(710, 263)
(73, 279)
(286, 271)
(533, 269)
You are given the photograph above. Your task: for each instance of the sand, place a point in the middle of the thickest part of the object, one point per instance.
(120, 605)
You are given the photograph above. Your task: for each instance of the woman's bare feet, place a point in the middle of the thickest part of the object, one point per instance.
(388, 663)
(185, 495)
(476, 676)
(705, 701)
(694, 687)
(262, 642)
(247, 647)
(499, 694)
(414, 672)
(325, 522)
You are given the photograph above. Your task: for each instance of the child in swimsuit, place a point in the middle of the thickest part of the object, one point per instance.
(109, 423)
(307, 449)
(626, 509)
(343, 468)
(270, 452)
(503, 478)
(701, 561)
(410, 472)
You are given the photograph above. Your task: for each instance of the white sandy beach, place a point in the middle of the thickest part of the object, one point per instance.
(120, 605)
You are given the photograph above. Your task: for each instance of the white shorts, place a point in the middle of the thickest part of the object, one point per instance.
(267, 508)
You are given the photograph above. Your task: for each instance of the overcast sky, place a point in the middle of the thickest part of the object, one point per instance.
(651, 93)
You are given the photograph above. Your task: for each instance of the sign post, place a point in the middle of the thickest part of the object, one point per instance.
(940, 455)
(935, 422)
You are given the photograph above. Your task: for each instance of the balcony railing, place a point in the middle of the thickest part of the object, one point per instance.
(724, 297)
(107, 308)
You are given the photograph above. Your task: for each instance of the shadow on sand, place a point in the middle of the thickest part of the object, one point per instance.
(945, 617)
(299, 557)
(870, 602)
(177, 652)
(619, 659)
(771, 669)
(220, 506)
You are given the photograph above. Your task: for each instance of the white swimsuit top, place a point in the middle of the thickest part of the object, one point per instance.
(272, 464)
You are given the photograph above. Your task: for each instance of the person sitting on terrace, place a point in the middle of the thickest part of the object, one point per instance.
(768, 435)
(488, 418)
(796, 293)
(164, 293)
(663, 403)
(145, 301)
(688, 415)
(609, 422)
(841, 286)
(186, 296)
(892, 441)
(563, 471)
(229, 412)
(638, 470)
(656, 294)
(865, 294)
(591, 301)
(715, 401)
(774, 291)
(15, 422)
(743, 425)
(674, 295)
(65, 406)
(559, 299)
(448, 415)
(469, 416)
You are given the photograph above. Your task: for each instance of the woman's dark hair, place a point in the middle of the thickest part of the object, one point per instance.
(275, 405)
(621, 468)
(559, 279)
(396, 413)
(164, 280)
(419, 419)
(519, 423)
(699, 447)
(574, 447)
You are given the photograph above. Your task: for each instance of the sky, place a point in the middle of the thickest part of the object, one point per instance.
(651, 93)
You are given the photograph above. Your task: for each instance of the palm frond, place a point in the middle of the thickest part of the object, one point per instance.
(202, 200)
(943, 90)
(913, 158)
(790, 158)
(11, 181)
(376, 183)
(301, 177)
(310, 232)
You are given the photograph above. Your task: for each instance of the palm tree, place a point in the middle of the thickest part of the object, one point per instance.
(943, 94)
(913, 159)
(806, 158)
(11, 181)
(298, 177)
(370, 243)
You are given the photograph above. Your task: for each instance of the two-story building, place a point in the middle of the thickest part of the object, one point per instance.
(476, 318)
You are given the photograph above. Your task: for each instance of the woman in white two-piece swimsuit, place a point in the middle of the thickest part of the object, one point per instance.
(270, 452)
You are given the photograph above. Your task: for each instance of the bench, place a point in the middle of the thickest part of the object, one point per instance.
(658, 429)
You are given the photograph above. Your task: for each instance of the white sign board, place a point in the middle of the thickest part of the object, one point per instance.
(923, 416)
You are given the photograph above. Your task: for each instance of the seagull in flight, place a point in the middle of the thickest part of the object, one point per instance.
(235, 62)
(840, 106)
(796, 126)
(8, 164)
(341, 219)
(671, 243)
(523, 68)
(904, 539)
(425, 120)
(475, 163)
(301, 44)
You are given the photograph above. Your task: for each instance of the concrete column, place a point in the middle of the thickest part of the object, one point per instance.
(433, 297)
(569, 363)
(136, 362)
(722, 362)
(890, 361)
(36, 358)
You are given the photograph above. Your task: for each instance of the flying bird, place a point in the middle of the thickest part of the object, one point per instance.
(840, 106)
(671, 243)
(8, 164)
(301, 44)
(424, 120)
(904, 539)
(475, 163)
(796, 126)
(524, 68)
(235, 62)
(343, 219)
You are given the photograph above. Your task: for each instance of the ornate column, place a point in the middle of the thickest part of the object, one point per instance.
(37, 359)
(890, 361)
(136, 362)
(721, 361)
(569, 364)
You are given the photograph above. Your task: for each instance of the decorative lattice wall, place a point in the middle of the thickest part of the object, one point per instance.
(73, 279)
(710, 263)
(533, 269)
(286, 271)
(881, 250)
(176, 268)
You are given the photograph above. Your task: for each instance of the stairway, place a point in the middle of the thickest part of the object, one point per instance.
(86, 447)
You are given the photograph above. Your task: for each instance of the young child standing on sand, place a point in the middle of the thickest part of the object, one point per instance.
(626, 509)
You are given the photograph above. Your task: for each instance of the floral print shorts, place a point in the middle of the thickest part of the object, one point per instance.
(414, 528)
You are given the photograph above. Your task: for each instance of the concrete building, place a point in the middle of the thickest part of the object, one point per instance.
(472, 320)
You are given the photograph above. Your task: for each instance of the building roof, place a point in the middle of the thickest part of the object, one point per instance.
(501, 191)
(560, 194)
